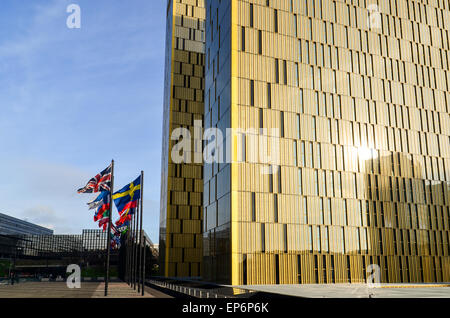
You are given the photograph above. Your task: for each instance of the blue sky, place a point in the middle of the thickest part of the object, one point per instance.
(73, 99)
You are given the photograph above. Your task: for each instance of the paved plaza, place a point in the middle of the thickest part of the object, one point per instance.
(357, 290)
(87, 290)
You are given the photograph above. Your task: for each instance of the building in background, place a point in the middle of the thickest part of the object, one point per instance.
(356, 98)
(13, 226)
(31, 254)
(93, 239)
(50, 245)
(180, 243)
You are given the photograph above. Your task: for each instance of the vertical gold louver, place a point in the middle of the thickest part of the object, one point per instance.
(368, 114)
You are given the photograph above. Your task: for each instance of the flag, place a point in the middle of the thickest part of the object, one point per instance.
(115, 242)
(126, 198)
(114, 230)
(98, 201)
(103, 222)
(115, 237)
(103, 218)
(101, 182)
(126, 217)
(101, 211)
(123, 228)
(129, 208)
(104, 206)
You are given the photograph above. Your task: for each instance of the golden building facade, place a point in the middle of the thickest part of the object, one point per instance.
(358, 92)
(182, 183)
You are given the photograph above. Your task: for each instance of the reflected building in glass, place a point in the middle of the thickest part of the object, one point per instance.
(356, 99)
(180, 244)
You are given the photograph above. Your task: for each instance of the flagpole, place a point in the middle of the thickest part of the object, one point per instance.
(136, 251)
(138, 267)
(127, 249)
(142, 241)
(133, 216)
(143, 264)
(108, 234)
(128, 252)
(130, 233)
(130, 271)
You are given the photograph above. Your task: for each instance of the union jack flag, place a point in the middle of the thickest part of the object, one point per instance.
(101, 182)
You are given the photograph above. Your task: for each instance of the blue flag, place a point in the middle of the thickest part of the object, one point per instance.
(126, 198)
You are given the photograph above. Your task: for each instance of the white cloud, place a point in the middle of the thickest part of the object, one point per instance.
(42, 215)
(47, 192)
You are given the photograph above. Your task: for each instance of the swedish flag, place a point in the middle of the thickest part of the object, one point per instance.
(126, 198)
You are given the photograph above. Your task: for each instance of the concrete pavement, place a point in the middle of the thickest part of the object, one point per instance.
(87, 290)
(356, 290)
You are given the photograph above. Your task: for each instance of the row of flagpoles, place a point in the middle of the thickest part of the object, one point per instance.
(129, 203)
(135, 252)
